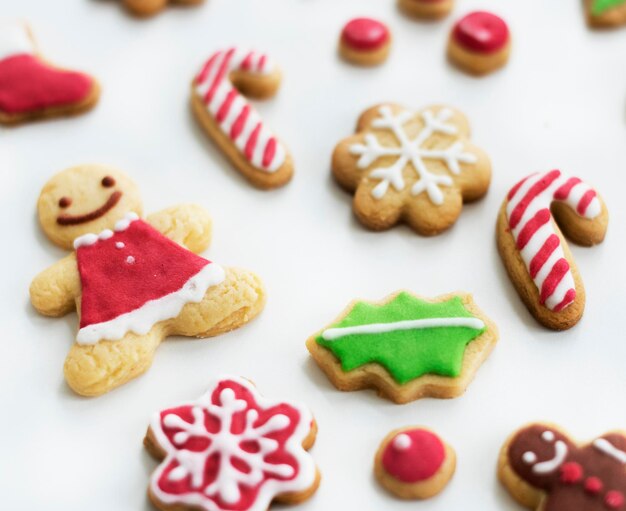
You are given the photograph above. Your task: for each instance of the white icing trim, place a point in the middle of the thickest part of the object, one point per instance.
(402, 442)
(141, 320)
(268, 491)
(560, 453)
(603, 445)
(412, 324)
(14, 40)
(89, 239)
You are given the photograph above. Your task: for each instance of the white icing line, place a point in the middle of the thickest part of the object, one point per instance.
(560, 453)
(141, 320)
(90, 238)
(602, 444)
(412, 324)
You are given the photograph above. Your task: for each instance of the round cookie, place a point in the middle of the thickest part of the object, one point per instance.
(480, 43)
(414, 463)
(365, 41)
(427, 9)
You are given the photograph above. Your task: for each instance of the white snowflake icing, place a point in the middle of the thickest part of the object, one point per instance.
(413, 152)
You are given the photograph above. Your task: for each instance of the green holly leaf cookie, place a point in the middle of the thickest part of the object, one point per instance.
(408, 336)
(601, 6)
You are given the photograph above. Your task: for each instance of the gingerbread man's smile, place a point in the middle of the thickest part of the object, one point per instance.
(113, 199)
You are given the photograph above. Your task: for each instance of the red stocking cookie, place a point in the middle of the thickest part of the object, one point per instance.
(232, 123)
(534, 250)
(136, 282)
(232, 449)
(31, 88)
(414, 463)
(543, 469)
(480, 43)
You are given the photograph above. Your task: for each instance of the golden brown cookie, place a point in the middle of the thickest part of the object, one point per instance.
(133, 283)
(365, 41)
(534, 250)
(32, 88)
(414, 463)
(232, 449)
(230, 121)
(605, 13)
(412, 167)
(480, 43)
(151, 7)
(406, 347)
(545, 470)
(428, 9)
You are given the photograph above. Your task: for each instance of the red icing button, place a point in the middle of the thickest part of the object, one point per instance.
(481, 32)
(571, 472)
(414, 455)
(614, 499)
(593, 485)
(365, 34)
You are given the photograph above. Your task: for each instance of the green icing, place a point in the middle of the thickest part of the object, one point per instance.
(601, 6)
(406, 354)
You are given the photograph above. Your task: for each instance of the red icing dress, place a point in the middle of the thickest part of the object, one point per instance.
(134, 277)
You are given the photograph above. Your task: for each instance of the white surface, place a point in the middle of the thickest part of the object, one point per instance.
(560, 102)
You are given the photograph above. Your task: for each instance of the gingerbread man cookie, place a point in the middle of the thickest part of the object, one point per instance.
(428, 9)
(414, 463)
(406, 347)
(606, 13)
(232, 123)
(151, 7)
(365, 41)
(232, 449)
(534, 249)
(413, 167)
(136, 282)
(543, 469)
(31, 88)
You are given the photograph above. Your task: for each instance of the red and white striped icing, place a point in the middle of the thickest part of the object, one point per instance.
(238, 120)
(530, 221)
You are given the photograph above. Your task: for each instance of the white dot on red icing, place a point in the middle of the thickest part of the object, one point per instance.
(548, 436)
(119, 244)
(402, 442)
(130, 260)
(529, 457)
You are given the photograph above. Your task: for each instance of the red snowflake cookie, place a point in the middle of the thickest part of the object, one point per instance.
(232, 450)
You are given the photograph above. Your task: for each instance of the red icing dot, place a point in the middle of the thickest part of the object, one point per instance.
(365, 34)
(481, 32)
(415, 461)
(614, 499)
(571, 472)
(593, 485)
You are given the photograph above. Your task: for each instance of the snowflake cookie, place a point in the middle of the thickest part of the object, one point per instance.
(136, 282)
(32, 88)
(544, 469)
(232, 450)
(414, 463)
(416, 167)
(406, 347)
(534, 250)
(606, 13)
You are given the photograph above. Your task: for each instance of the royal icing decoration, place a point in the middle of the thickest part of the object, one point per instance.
(237, 119)
(414, 455)
(587, 478)
(133, 277)
(231, 450)
(532, 227)
(481, 32)
(414, 151)
(410, 337)
(29, 84)
(599, 7)
(365, 34)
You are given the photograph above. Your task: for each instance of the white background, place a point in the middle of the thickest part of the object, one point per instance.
(559, 103)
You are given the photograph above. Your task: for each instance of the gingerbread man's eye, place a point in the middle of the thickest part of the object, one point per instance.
(65, 202)
(108, 181)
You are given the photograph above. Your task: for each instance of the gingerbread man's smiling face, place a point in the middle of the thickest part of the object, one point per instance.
(85, 199)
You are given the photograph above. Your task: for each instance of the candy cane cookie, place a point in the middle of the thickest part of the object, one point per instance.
(534, 250)
(232, 123)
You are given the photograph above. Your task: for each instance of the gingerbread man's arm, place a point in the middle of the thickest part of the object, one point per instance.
(54, 290)
(186, 224)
